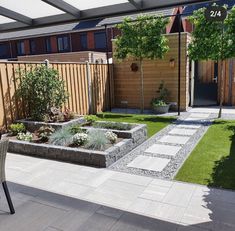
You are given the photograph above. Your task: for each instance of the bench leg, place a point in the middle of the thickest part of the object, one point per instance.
(6, 191)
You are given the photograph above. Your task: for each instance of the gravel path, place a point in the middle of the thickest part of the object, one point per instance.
(187, 122)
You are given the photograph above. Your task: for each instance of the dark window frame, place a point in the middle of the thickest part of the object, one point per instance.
(17, 47)
(6, 54)
(83, 35)
(31, 47)
(63, 43)
(47, 41)
(98, 47)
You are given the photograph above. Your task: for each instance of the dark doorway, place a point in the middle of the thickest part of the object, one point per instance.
(206, 83)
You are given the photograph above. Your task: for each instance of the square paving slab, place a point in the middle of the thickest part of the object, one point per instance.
(182, 131)
(163, 149)
(193, 126)
(175, 139)
(149, 163)
(199, 115)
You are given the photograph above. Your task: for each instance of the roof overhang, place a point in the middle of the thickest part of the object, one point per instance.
(72, 13)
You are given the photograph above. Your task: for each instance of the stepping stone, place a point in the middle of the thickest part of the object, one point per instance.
(175, 139)
(149, 163)
(163, 149)
(193, 119)
(199, 115)
(188, 126)
(182, 131)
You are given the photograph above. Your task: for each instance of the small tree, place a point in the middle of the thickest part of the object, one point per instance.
(213, 40)
(142, 38)
(41, 89)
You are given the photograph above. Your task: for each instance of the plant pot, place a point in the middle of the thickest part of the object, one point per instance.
(161, 109)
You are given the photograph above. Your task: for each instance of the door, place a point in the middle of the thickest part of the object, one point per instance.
(206, 83)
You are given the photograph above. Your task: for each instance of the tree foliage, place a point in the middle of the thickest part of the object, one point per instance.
(41, 89)
(212, 40)
(142, 38)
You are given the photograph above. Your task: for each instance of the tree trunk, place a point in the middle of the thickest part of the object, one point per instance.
(142, 86)
(221, 88)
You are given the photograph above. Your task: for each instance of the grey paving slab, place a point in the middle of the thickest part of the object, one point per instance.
(163, 149)
(188, 126)
(182, 131)
(165, 211)
(174, 139)
(180, 194)
(133, 222)
(154, 192)
(199, 115)
(149, 163)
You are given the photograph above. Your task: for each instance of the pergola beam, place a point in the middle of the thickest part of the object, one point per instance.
(64, 6)
(73, 14)
(136, 4)
(15, 16)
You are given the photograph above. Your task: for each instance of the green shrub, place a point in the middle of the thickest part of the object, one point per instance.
(45, 132)
(17, 128)
(25, 136)
(96, 140)
(74, 129)
(90, 119)
(41, 89)
(113, 126)
(61, 137)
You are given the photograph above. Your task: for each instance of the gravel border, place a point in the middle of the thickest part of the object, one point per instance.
(176, 161)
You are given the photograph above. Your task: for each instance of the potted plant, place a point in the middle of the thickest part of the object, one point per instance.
(159, 104)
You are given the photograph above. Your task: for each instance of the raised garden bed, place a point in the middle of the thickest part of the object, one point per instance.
(137, 132)
(128, 140)
(31, 126)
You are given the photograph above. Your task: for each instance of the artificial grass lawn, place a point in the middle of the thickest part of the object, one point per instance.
(154, 123)
(213, 160)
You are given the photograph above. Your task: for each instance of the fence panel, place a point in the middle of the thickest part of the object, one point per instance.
(76, 83)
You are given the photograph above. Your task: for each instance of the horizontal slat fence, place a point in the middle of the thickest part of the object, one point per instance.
(89, 87)
(127, 83)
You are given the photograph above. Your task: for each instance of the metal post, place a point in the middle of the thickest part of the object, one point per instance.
(88, 74)
(47, 63)
(108, 69)
(179, 61)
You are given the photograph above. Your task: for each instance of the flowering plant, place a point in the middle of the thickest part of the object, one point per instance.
(25, 136)
(112, 137)
(80, 138)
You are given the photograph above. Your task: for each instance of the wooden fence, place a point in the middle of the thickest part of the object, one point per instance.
(89, 87)
(127, 83)
(207, 73)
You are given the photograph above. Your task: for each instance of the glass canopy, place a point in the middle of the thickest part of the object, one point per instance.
(16, 15)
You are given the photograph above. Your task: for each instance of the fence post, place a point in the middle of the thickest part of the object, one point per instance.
(47, 63)
(88, 75)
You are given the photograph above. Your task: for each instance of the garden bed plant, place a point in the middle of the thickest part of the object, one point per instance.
(77, 143)
(73, 136)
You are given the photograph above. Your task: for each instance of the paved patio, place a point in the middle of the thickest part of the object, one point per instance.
(50, 195)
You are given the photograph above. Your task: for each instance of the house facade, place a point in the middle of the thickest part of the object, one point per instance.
(73, 37)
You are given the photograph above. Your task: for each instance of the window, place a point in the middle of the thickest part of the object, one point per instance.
(3, 51)
(48, 45)
(100, 40)
(32, 45)
(83, 40)
(20, 48)
(63, 43)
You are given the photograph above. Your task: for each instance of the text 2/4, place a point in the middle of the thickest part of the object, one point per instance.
(215, 14)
